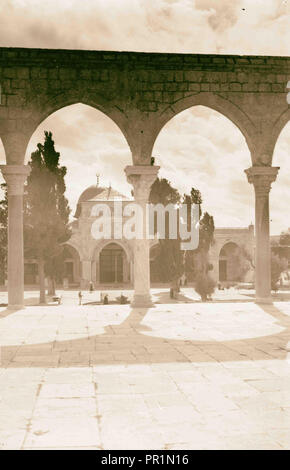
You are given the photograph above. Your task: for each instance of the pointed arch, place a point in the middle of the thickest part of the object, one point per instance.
(217, 103)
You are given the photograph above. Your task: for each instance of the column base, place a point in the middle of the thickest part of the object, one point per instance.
(263, 300)
(142, 301)
(15, 307)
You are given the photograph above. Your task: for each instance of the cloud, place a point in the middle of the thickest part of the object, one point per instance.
(89, 143)
(201, 148)
(205, 26)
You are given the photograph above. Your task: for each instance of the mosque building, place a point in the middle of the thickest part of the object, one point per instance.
(109, 262)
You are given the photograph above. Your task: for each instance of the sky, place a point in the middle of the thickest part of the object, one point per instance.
(199, 147)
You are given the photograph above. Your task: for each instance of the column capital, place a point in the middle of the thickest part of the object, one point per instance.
(15, 176)
(262, 177)
(141, 177)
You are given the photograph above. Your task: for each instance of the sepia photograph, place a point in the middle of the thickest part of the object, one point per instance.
(144, 228)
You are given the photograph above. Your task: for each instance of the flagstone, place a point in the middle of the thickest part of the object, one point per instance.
(166, 380)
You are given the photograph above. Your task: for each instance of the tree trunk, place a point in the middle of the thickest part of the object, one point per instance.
(41, 274)
(51, 286)
(174, 285)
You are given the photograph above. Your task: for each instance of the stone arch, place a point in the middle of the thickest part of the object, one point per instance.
(279, 196)
(15, 144)
(113, 267)
(72, 246)
(215, 102)
(2, 153)
(279, 126)
(72, 260)
(230, 269)
(39, 113)
(103, 243)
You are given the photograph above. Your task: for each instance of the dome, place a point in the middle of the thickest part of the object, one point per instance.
(97, 193)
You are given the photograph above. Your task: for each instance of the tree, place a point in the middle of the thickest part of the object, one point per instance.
(282, 247)
(278, 265)
(3, 234)
(285, 238)
(170, 258)
(243, 262)
(197, 260)
(46, 211)
(163, 193)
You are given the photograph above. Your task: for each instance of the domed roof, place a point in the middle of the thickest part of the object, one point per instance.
(97, 193)
(90, 192)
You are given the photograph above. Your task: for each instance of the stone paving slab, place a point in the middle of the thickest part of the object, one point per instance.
(192, 376)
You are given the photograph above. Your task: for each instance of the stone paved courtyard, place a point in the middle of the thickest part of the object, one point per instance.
(177, 376)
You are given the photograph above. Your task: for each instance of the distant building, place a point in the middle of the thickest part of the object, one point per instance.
(110, 262)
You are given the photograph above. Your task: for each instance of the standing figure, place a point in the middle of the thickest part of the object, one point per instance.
(80, 297)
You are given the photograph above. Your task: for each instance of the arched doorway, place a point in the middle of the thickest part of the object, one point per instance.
(228, 266)
(71, 271)
(112, 264)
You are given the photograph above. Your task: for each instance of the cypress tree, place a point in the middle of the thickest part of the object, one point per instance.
(46, 211)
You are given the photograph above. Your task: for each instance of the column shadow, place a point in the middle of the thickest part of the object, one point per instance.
(130, 343)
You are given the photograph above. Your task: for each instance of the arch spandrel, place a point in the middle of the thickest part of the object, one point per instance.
(279, 125)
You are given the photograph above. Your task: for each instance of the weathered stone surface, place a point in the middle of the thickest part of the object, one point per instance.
(127, 86)
(195, 376)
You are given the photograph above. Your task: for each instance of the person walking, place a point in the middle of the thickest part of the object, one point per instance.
(80, 297)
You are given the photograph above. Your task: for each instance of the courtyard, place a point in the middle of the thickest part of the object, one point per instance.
(178, 376)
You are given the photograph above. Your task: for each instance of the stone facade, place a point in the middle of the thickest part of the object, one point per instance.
(85, 255)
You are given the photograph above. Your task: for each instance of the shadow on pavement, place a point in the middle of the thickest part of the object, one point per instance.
(126, 343)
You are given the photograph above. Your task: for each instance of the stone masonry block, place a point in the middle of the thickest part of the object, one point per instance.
(194, 86)
(148, 96)
(264, 87)
(38, 72)
(158, 96)
(67, 74)
(53, 73)
(235, 87)
(172, 86)
(178, 76)
(278, 87)
(23, 73)
(204, 86)
(194, 76)
(9, 72)
(214, 86)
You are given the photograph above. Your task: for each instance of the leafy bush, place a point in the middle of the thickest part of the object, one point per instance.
(278, 265)
(204, 286)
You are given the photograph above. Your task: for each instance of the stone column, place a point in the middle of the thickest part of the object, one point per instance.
(15, 176)
(142, 177)
(261, 178)
(86, 273)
